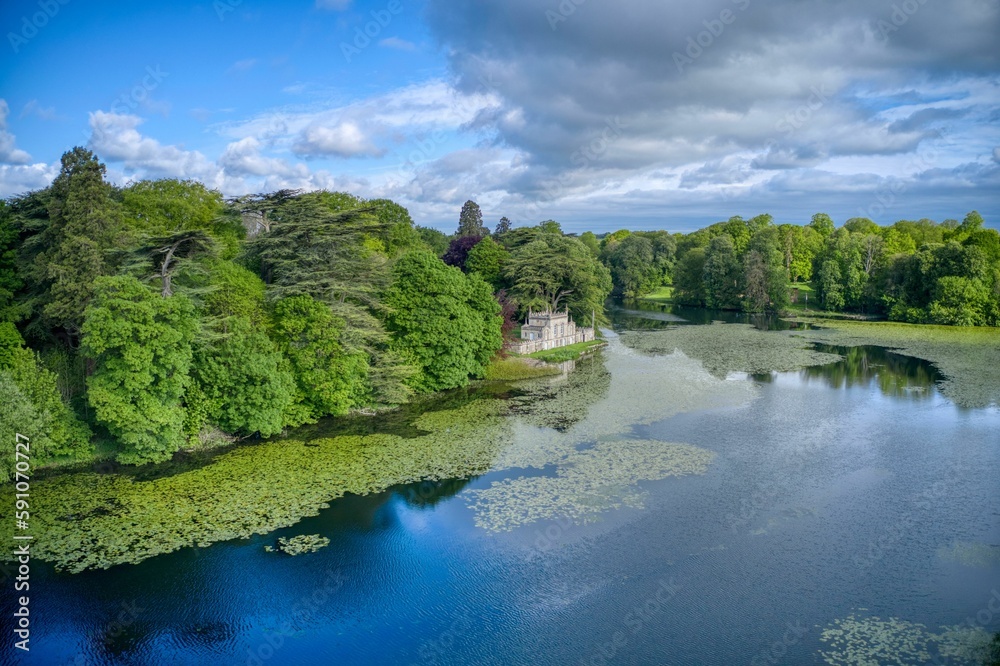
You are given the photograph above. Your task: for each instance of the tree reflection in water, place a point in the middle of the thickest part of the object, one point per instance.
(896, 375)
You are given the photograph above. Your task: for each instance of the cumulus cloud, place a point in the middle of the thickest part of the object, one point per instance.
(243, 158)
(725, 92)
(18, 178)
(116, 137)
(9, 152)
(344, 139)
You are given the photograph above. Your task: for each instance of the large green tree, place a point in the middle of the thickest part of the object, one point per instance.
(445, 322)
(470, 221)
(32, 406)
(554, 272)
(723, 274)
(84, 224)
(140, 344)
(487, 258)
(330, 380)
(634, 269)
(243, 383)
(689, 277)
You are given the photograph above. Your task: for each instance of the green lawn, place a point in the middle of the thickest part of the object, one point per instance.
(514, 368)
(567, 353)
(660, 295)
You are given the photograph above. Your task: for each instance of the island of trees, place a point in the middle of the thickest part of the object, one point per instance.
(138, 320)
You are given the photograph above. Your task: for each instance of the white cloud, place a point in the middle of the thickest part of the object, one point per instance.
(243, 158)
(18, 178)
(345, 139)
(9, 152)
(115, 137)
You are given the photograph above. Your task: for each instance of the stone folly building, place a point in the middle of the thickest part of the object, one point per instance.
(548, 330)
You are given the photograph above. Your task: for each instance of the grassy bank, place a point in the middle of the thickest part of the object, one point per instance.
(660, 295)
(515, 368)
(567, 353)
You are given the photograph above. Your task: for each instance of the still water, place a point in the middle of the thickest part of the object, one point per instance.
(852, 489)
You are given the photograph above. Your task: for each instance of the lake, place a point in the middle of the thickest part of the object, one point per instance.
(644, 508)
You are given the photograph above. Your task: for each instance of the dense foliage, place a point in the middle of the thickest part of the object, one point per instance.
(919, 272)
(160, 315)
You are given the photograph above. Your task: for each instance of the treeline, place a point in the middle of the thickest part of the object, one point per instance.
(912, 271)
(138, 320)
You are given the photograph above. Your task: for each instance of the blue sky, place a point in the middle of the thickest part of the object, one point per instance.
(640, 114)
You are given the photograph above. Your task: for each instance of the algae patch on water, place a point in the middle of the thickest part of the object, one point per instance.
(587, 483)
(602, 405)
(296, 545)
(872, 641)
(724, 348)
(87, 520)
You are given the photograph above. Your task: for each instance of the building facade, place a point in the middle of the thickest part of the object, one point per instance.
(548, 330)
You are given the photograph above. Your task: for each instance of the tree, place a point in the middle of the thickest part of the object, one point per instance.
(830, 289)
(141, 346)
(162, 208)
(861, 225)
(84, 223)
(10, 278)
(559, 271)
(398, 234)
(330, 381)
(233, 291)
(822, 224)
(959, 301)
(764, 272)
(590, 240)
(310, 249)
(32, 405)
(446, 322)
(664, 252)
(256, 210)
(689, 283)
(550, 227)
(487, 258)
(634, 271)
(240, 380)
(470, 221)
(169, 254)
(243, 384)
(503, 226)
(436, 241)
(459, 249)
(723, 274)
(739, 231)
(508, 314)
(610, 241)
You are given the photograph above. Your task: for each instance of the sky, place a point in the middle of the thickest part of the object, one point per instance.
(640, 114)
